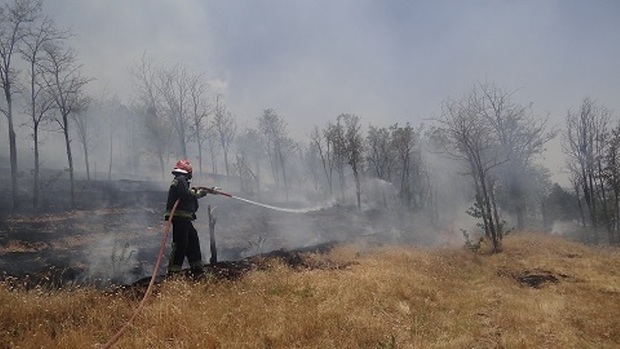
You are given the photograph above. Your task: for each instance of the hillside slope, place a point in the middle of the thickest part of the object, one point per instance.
(541, 292)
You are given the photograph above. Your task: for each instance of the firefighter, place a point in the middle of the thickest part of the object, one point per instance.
(185, 242)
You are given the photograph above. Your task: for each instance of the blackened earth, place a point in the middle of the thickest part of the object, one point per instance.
(114, 237)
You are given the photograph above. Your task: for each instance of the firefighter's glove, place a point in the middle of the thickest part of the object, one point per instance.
(199, 192)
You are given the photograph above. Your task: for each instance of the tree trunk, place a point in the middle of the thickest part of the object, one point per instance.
(226, 162)
(281, 161)
(35, 189)
(161, 164)
(69, 158)
(12, 150)
(212, 245)
(358, 188)
(200, 158)
(86, 161)
(111, 152)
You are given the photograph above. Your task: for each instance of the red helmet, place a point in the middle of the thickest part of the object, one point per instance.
(183, 166)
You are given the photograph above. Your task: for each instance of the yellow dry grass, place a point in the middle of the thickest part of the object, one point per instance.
(390, 297)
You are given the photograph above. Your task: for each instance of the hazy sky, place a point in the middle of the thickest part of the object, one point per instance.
(385, 61)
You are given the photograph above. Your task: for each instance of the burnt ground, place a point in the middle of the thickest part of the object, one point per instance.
(115, 236)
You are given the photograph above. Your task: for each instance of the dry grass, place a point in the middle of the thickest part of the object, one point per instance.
(389, 298)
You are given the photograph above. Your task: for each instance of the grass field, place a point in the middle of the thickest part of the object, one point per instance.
(541, 292)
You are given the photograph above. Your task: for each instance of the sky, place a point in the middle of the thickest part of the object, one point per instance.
(384, 61)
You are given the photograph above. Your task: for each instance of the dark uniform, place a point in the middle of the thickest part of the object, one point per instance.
(185, 242)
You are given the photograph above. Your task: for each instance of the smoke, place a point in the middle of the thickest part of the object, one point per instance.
(112, 261)
(565, 228)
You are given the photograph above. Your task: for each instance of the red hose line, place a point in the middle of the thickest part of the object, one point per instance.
(120, 332)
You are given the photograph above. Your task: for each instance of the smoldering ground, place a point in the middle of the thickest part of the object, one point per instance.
(115, 237)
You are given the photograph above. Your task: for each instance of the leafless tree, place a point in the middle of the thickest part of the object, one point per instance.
(334, 134)
(200, 110)
(82, 120)
(249, 156)
(214, 147)
(324, 151)
(499, 140)
(354, 148)
(585, 138)
(172, 85)
(39, 100)
(273, 130)
(157, 126)
(63, 79)
(15, 18)
(611, 175)
(472, 140)
(312, 165)
(160, 135)
(379, 155)
(225, 128)
(521, 134)
(403, 143)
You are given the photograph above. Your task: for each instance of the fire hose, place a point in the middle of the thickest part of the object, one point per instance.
(120, 332)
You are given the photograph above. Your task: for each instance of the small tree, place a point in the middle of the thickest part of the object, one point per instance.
(63, 79)
(276, 142)
(585, 139)
(40, 101)
(172, 85)
(200, 110)
(84, 130)
(354, 145)
(14, 19)
(157, 126)
(225, 128)
(334, 135)
(324, 151)
(380, 155)
(249, 157)
(473, 141)
(403, 142)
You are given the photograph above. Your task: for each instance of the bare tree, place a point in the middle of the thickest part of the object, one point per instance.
(334, 135)
(498, 139)
(63, 79)
(160, 135)
(354, 148)
(82, 118)
(611, 176)
(403, 142)
(214, 148)
(323, 148)
(249, 156)
(173, 87)
(471, 139)
(521, 136)
(200, 110)
(273, 130)
(584, 139)
(312, 164)
(225, 127)
(379, 156)
(39, 100)
(14, 19)
(157, 126)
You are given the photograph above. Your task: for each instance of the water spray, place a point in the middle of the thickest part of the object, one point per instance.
(217, 191)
